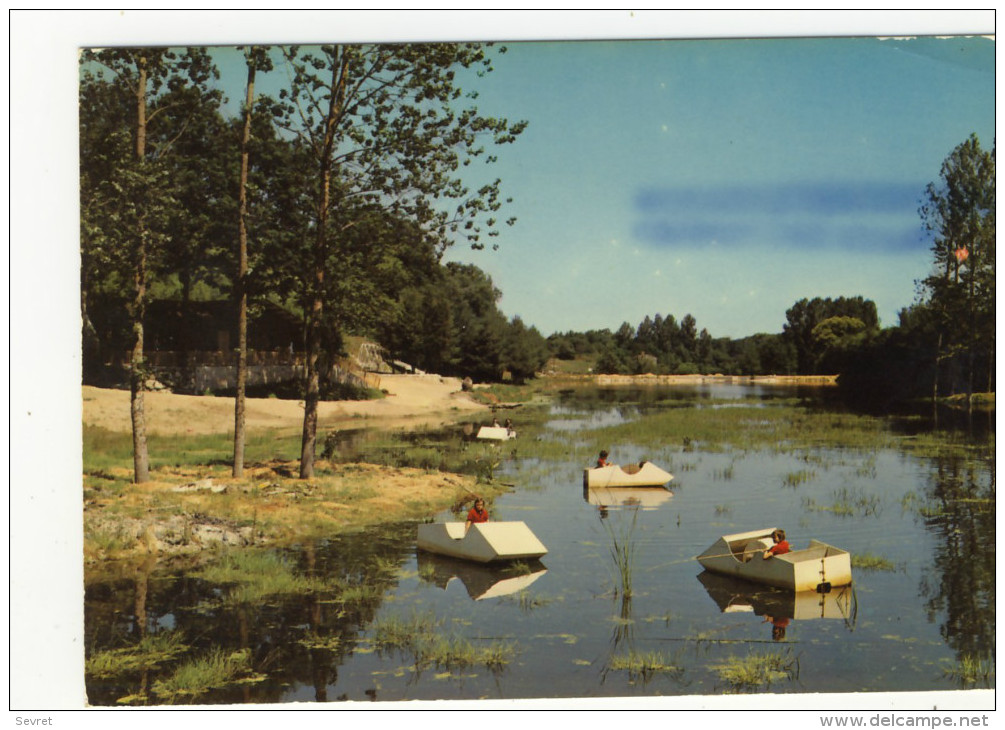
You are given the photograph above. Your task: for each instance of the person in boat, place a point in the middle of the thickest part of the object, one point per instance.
(476, 514)
(780, 547)
(509, 426)
(602, 460)
(495, 422)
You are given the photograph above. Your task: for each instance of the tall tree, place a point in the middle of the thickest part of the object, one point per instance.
(136, 188)
(803, 316)
(959, 212)
(382, 125)
(257, 59)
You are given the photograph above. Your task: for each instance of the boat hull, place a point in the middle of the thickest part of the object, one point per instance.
(485, 542)
(649, 475)
(496, 433)
(816, 568)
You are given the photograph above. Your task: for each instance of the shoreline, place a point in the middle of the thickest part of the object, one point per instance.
(718, 379)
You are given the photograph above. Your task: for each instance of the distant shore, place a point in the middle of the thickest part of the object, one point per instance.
(652, 379)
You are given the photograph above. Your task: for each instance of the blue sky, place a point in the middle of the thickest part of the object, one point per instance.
(727, 178)
(722, 178)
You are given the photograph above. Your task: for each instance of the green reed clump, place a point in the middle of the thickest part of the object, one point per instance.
(400, 632)
(528, 601)
(794, 479)
(151, 651)
(755, 670)
(454, 652)
(868, 561)
(970, 670)
(419, 635)
(257, 575)
(216, 669)
(723, 475)
(723, 509)
(622, 550)
(518, 567)
(645, 664)
(847, 503)
(314, 640)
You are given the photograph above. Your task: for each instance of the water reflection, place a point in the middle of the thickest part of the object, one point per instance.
(959, 507)
(480, 581)
(644, 498)
(779, 607)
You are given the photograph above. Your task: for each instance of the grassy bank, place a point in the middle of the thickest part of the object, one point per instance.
(192, 501)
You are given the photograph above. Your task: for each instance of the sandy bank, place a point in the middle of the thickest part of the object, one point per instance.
(412, 399)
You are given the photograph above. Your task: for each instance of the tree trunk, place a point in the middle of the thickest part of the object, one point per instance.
(137, 369)
(242, 289)
(313, 389)
(935, 378)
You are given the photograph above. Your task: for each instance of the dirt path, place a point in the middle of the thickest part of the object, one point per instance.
(414, 399)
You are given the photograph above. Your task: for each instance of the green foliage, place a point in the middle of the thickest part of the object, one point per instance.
(756, 670)
(868, 561)
(644, 664)
(804, 331)
(419, 634)
(152, 651)
(971, 672)
(218, 668)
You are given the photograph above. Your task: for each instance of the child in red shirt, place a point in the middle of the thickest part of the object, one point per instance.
(476, 514)
(780, 547)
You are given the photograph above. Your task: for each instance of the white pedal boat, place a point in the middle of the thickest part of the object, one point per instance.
(496, 433)
(630, 475)
(485, 542)
(816, 568)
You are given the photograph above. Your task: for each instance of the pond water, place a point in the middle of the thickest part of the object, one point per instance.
(575, 624)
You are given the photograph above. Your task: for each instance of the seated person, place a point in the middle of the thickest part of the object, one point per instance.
(780, 547)
(476, 514)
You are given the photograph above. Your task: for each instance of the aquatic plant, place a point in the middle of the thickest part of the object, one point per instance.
(723, 475)
(151, 651)
(645, 664)
(216, 669)
(529, 601)
(847, 503)
(723, 509)
(622, 549)
(868, 561)
(314, 640)
(256, 575)
(756, 669)
(418, 634)
(794, 479)
(970, 670)
(518, 567)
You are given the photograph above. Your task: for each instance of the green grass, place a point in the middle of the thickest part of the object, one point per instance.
(622, 550)
(847, 503)
(794, 479)
(105, 450)
(644, 664)
(419, 634)
(970, 671)
(149, 653)
(755, 670)
(256, 575)
(216, 669)
(868, 561)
